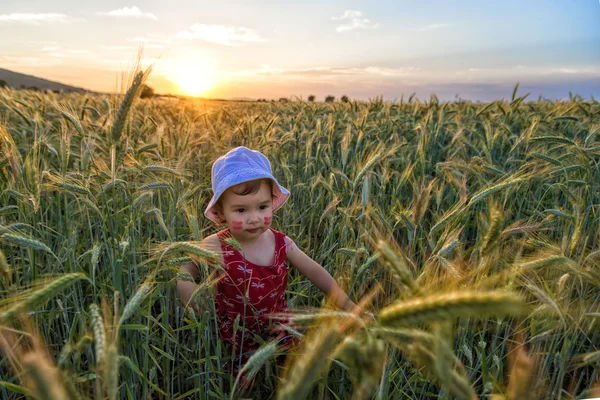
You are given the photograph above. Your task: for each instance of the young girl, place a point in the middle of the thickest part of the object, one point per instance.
(252, 286)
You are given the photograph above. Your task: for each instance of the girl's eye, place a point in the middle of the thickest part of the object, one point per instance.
(240, 210)
(263, 207)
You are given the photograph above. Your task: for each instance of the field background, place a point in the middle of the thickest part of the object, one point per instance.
(486, 214)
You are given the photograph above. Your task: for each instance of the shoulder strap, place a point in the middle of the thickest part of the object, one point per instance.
(280, 247)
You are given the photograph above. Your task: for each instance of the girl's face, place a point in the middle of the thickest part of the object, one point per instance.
(247, 216)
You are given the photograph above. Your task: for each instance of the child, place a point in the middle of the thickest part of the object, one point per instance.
(253, 285)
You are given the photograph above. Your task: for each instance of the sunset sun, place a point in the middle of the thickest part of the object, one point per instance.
(194, 75)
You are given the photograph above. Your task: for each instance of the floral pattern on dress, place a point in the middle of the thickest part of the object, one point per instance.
(253, 292)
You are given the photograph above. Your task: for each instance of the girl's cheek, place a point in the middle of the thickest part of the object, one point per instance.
(237, 225)
(268, 220)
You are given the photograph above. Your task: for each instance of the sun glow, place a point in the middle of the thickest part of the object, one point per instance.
(194, 75)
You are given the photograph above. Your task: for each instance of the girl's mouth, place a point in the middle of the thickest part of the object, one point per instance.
(252, 230)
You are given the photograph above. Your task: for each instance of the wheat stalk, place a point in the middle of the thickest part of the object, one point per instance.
(24, 241)
(456, 384)
(398, 267)
(46, 380)
(155, 186)
(5, 269)
(134, 302)
(255, 363)
(111, 371)
(192, 248)
(161, 169)
(97, 322)
(42, 295)
(448, 306)
(306, 368)
(119, 123)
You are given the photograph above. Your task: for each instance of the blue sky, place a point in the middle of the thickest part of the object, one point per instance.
(270, 49)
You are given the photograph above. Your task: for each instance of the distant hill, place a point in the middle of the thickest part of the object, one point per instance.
(20, 81)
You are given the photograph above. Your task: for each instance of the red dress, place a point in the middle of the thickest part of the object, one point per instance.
(253, 292)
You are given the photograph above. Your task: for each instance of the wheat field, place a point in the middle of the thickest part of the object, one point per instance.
(470, 231)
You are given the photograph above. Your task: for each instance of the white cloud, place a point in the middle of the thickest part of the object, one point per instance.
(21, 59)
(114, 64)
(325, 74)
(220, 34)
(555, 70)
(524, 71)
(119, 48)
(579, 71)
(59, 52)
(124, 63)
(391, 72)
(33, 19)
(134, 12)
(24, 62)
(353, 19)
(568, 71)
(435, 26)
(151, 40)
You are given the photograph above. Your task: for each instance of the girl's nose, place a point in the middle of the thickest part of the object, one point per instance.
(254, 218)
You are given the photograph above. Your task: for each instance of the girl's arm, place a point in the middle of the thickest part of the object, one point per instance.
(319, 277)
(186, 288)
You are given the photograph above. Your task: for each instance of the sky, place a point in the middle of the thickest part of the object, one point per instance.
(472, 49)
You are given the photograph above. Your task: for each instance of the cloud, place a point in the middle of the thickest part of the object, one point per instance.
(540, 74)
(220, 34)
(435, 26)
(133, 12)
(33, 19)
(319, 72)
(119, 48)
(113, 64)
(151, 40)
(579, 71)
(26, 61)
(270, 72)
(536, 71)
(59, 52)
(392, 72)
(339, 72)
(353, 19)
(323, 74)
(124, 63)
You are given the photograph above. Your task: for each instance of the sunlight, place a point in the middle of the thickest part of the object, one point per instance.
(195, 75)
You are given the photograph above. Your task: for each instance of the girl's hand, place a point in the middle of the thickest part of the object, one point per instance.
(369, 315)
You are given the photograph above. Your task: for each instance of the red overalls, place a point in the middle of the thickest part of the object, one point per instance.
(253, 292)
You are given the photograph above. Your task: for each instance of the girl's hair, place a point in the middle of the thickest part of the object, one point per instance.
(250, 187)
(246, 188)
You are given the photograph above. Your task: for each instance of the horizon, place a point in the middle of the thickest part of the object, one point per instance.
(466, 50)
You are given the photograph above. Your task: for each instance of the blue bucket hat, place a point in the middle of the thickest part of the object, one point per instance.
(242, 165)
